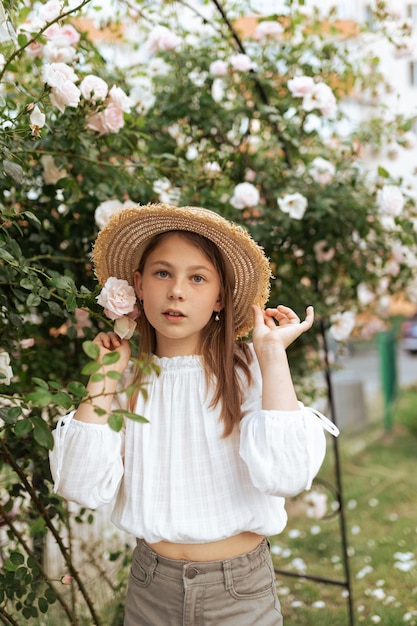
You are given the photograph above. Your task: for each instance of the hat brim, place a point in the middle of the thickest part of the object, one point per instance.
(119, 247)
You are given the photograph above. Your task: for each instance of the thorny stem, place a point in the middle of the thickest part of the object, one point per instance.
(7, 617)
(38, 504)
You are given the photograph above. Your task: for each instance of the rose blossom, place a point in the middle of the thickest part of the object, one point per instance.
(65, 95)
(120, 99)
(212, 169)
(322, 171)
(241, 62)
(365, 294)
(106, 209)
(125, 327)
(110, 120)
(50, 10)
(55, 74)
(5, 369)
(295, 204)
(218, 68)
(162, 39)
(37, 120)
(269, 30)
(55, 52)
(320, 97)
(342, 325)
(244, 195)
(117, 297)
(300, 85)
(93, 88)
(391, 200)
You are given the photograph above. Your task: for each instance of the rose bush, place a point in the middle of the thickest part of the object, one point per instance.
(145, 103)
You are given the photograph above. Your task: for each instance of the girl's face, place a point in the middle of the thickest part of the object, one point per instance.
(180, 289)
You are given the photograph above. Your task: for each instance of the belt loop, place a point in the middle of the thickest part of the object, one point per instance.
(228, 577)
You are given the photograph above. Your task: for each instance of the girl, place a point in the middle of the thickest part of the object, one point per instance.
(203, 483)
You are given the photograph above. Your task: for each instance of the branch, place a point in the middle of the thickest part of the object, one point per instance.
(38, 504)
(30, 553)
(259, 87)
(19, 51)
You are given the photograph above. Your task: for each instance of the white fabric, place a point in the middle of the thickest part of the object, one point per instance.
(176, 478)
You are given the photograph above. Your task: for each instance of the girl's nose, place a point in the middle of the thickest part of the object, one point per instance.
(176, 291)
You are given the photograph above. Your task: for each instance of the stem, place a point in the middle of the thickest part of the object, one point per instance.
(38, 504)
(19, 51)
(42, 572)
(7, 617)
(258, 84)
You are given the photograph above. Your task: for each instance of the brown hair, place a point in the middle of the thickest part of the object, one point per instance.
(222, 355)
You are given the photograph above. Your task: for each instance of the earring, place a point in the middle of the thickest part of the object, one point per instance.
(217, 317)
(141, 302)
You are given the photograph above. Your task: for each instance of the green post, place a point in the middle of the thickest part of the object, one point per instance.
(386, 342)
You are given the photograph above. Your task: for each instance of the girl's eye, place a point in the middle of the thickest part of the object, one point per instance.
(198, 279)
(162, 273)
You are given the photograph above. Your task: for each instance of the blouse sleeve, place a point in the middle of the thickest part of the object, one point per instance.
(283, 450)
(86, 461)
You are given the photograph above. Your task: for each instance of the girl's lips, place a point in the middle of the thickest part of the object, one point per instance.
(173, 315)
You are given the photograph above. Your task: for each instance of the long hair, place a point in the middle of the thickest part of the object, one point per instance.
(222, 355)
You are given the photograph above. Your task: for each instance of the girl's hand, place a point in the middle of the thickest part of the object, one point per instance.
(110, 342)
(268, 334)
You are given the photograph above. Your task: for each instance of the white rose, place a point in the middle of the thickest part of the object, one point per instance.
(37, 118)
(342, 325)
(320, 97)
(5, 369)
(55, 52)
(67, 94)
(241, 62)
(365, 294)
(105, 210)
(93, 88)
(55, 74)
(244, 195)
(212, 169)
(391, 200)
(120, 99)
(117, 297)
(295, 204)
(300, 85)
(322, 171)
(218, 89)
(218, 68)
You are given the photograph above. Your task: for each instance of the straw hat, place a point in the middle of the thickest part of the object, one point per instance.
(120, 244)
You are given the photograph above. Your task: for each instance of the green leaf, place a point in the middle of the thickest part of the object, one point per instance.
(114, 375)
(17, 558)
(116, 422)
(111, 357)
(40, 382)
(133, 416)
(40, 397)
(382, 172)
(42, 433)
(43, 605)
(63, 399)
(78, 389)
(33, 300)
(90, 368)
(97, 378)
(91, 349)
(14, 412)
(22, 428)
(6, 256)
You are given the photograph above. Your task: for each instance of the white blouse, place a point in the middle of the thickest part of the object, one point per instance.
(175, 478)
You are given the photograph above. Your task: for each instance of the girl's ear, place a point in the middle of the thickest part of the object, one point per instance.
(220, 302)
(137, 281)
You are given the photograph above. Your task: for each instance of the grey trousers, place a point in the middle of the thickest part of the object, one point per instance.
(236, 592)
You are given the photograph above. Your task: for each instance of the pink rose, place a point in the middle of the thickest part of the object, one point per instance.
(110, 120)
(218, 68)
(244, 195)
(300, 85)
(55, 52)
(93, 88)
(162, 39)
(241, 62)
(117, 297)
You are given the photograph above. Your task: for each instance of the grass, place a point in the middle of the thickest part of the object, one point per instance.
(379, 485)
